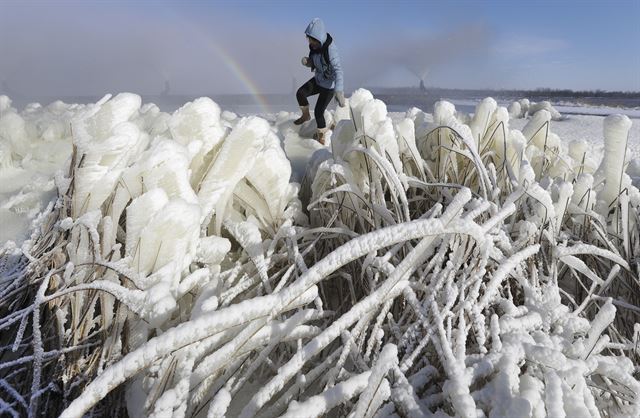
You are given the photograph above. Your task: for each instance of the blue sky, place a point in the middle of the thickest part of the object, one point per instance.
(73, 47)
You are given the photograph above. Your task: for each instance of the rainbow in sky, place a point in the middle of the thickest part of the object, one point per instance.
(242, 76)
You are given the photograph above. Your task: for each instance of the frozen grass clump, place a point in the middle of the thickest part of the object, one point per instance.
(150, 230)
(523, 108)
(573, 259)
(34, 144)
(431, 265)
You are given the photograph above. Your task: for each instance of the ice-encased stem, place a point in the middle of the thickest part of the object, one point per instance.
(318, 405)
(616, 131)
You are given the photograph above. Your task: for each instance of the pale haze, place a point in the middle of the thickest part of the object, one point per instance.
(66, 49)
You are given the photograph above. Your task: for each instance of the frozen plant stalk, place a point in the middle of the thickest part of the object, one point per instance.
(616, 131)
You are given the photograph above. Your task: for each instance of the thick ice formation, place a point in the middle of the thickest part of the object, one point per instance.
(33, 145)
(523, 107)
(440, 265)
(616, 132)
(536, 107)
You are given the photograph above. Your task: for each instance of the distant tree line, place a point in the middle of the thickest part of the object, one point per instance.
(541, 92)
(547, 92)
(418, 97)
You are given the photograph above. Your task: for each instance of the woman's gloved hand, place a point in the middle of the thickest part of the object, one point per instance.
(306, 62)
(340, 98)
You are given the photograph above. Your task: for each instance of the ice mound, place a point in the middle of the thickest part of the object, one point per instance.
(523, 107)
(34, 144)
(430, 264)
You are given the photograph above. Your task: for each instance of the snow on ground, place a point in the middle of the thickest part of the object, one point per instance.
(590, 129)
(581, 109)
(566, 108)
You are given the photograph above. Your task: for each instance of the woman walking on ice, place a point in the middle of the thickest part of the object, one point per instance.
(324, 60)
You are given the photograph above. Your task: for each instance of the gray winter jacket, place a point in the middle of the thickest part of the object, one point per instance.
(327, 74)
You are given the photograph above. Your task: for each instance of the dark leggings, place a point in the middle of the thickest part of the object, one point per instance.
(309, 89)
